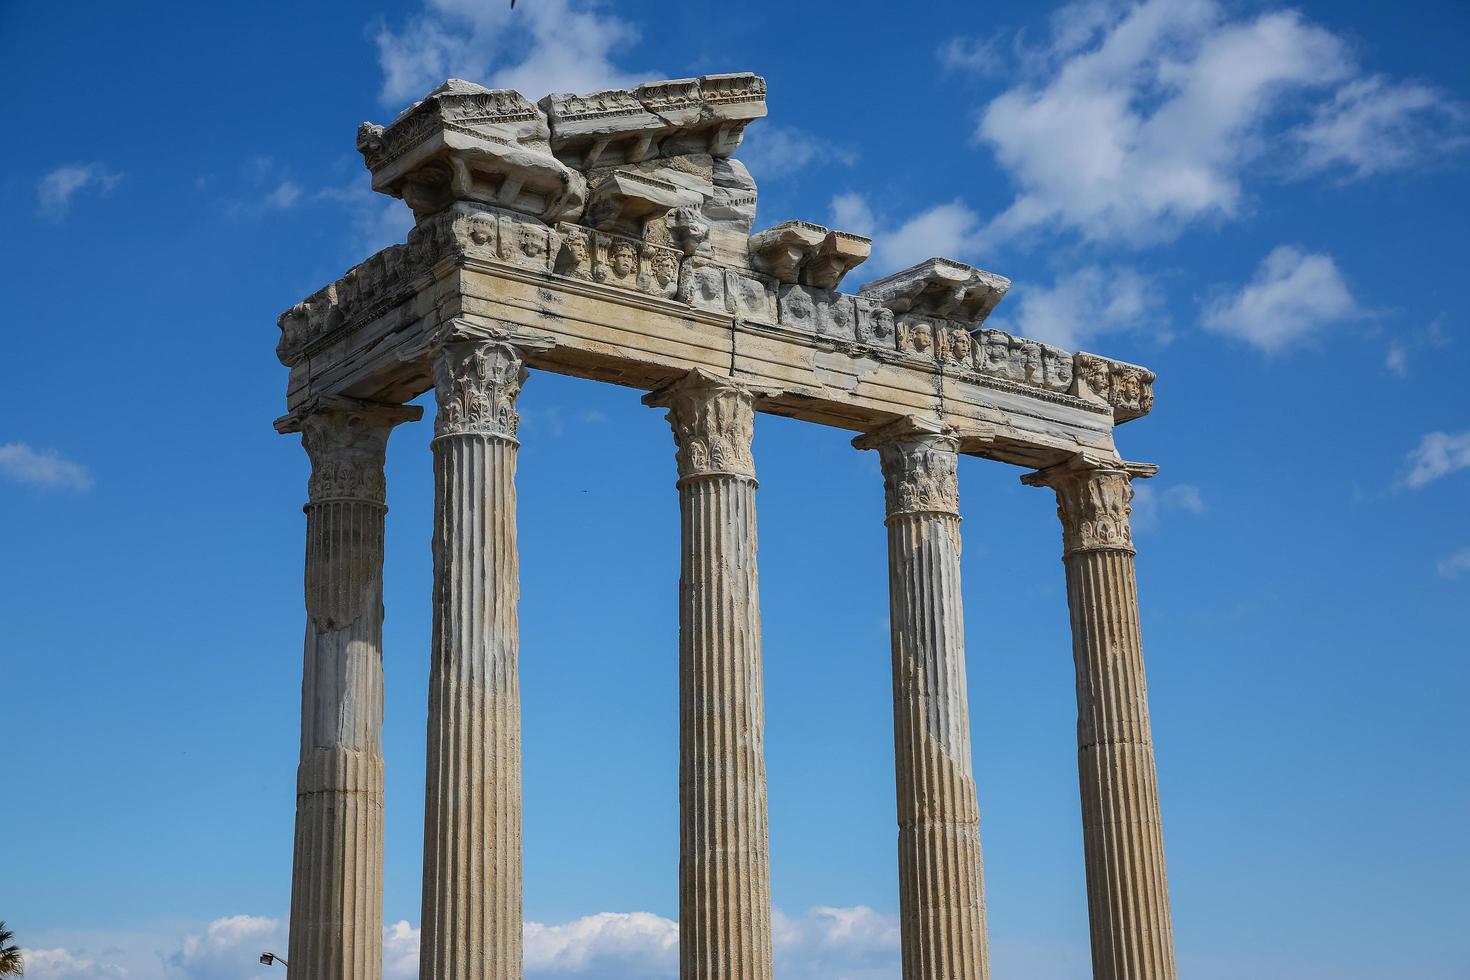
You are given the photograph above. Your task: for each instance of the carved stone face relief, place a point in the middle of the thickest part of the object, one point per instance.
(482, 229)
(624, 261)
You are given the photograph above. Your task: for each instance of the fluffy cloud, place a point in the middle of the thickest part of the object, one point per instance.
(56, 189)
(773, 152)
(849, 943)
(229, 949)
(42, 468)
(1292, 297)
(1136, 120)
(1374, 125)
(1151, 503)
(978, 55)
(950, 230)
(60, 964)
(1438, 454)
(548, 45)
(1085, 304)
(1453, 565)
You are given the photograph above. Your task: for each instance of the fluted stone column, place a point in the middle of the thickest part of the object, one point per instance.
(941, 874)
(1127, 891)
(724, 852)
(336, 928)
(472, 813)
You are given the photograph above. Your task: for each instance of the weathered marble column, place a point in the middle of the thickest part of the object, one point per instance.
(337, 869)
(724, 853)
(941, 874)
(1127, 891)
(472, 813)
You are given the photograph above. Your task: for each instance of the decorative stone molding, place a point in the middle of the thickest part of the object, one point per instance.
(1094, 500)
(476, 383)
(713, 419)
(940, 287)
(920, 460)
(839, 253)
(347, 442)
(782, 250)
(1128, 388)
(465, 142)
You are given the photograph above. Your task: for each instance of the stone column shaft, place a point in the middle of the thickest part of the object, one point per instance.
(1122, 832)
(472, 814)
(941, 872)
(724, 851)
(336, 930)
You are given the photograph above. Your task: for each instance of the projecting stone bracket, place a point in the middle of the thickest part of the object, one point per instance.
(466, 142)
(940, 287)
(798, 251)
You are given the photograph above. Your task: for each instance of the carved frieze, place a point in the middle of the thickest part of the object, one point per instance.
(751, 296)
(1127, 388)
(476, 384)
(713, 419)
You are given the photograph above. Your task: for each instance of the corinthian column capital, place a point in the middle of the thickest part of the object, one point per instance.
(476, 383)
(713, 419)
(347, 441)
(920, 460)
(1094, 500)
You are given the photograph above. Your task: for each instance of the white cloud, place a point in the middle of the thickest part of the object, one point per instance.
(950, 230)
(1292, 297)
(1151, 503)
(42, 467)
(821, 944)
(535, 48)
(1453, 565)
(285, 195)
(1374, 125)
(1397, 359)
(774, 152)
(1136, 120)
(1085, 304)
(61, 964)
(400, 951)
(229, 949)
(56, 189)
(849, 943)
(978, 55)
(1438, 454)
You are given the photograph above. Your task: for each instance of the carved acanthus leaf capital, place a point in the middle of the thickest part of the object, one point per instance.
(920, 460)
(476, 383)
(347, 442)
(1094, 500)
(713, 419)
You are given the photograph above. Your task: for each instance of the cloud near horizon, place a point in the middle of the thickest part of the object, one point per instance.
(854, 943)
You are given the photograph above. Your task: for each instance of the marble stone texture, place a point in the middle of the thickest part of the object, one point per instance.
(724, 849)
(1122, 833)
(940, 868)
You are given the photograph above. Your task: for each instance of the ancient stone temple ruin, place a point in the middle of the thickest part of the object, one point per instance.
(613, 236)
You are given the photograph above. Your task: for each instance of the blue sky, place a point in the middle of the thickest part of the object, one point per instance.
(1265, 204)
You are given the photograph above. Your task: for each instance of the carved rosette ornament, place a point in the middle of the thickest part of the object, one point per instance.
(920, 462)
(476, 383)
(713, 419)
